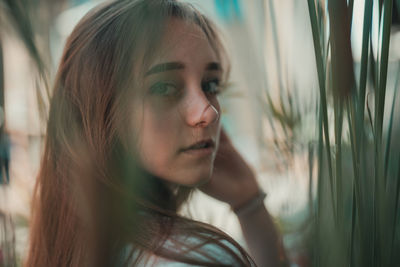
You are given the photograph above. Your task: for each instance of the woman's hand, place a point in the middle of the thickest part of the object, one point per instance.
(232, 181)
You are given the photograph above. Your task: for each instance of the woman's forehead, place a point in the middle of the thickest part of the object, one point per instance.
(176, 28)
(184, 41)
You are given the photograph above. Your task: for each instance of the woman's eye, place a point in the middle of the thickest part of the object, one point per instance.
(164, 89)
(211, 87)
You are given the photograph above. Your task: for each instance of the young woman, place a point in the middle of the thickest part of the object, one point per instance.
(133, 129)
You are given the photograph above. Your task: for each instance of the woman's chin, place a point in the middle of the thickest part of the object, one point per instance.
(201, 181)
(194, 178)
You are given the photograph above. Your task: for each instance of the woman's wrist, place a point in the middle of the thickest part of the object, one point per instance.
(250, 205)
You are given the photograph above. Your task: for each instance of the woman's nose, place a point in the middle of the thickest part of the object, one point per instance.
(200, 112)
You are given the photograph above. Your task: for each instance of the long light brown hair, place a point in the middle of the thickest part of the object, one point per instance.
(92, 200)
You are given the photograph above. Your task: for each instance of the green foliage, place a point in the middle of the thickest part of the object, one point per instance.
(356, 214)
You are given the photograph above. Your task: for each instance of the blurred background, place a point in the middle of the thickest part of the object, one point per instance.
(270, 110)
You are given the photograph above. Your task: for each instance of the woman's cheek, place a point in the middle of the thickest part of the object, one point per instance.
(158, 137)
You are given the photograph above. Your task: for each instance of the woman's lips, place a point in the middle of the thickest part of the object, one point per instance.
(200, 151)
(204, 147)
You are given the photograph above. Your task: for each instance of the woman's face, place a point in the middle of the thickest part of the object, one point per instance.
(178, 118)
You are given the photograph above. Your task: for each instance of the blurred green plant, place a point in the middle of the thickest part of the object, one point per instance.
(283, 111)
(355, 210)
(356, 214)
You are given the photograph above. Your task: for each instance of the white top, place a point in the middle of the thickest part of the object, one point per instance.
(212, 250)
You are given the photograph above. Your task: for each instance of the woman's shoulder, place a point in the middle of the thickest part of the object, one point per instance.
(204, 246)
(199, 247)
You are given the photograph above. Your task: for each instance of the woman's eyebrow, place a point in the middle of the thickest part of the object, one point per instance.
(213, 66)
(165, 67)
(177, 66)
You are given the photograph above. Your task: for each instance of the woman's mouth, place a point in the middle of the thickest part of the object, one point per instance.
(203, 147)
